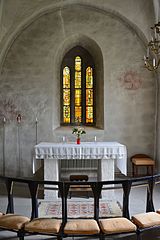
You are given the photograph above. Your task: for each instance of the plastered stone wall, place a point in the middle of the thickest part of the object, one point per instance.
(30, 85)
(14, 13)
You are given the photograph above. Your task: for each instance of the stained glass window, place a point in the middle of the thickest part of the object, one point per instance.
(89, 114)
(89, 95)
(78, 91)
(66, 77)
(89, 77)
(78, 84)
(78, 114)
(66, 95)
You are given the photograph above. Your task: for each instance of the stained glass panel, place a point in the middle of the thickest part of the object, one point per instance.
(78, 64)
(78, 114)
(77, 79)
(78, 91)
(89, 97)
(78, 97)
(66, 77)
(77, 72)
(66, 114)
(89, 114)
(66, 96)
(89, 77)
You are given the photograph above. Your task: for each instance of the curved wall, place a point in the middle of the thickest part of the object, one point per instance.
(30, 83)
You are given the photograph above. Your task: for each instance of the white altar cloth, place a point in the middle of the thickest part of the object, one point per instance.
(85, 150)
(108, 153)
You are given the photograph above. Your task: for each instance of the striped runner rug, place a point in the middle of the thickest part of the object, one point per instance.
(79, 209)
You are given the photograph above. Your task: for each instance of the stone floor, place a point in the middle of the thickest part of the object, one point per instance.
(137, 205)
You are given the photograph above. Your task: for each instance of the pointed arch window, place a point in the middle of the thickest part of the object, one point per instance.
(78, 88)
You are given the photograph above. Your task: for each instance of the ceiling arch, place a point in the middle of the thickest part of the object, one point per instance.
(11, 36)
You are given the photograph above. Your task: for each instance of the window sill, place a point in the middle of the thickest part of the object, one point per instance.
(68, 129)
(64, 133)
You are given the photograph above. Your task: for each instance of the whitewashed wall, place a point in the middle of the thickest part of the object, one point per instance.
(30, 83)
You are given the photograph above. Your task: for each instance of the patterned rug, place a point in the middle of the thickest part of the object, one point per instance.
(79, 209)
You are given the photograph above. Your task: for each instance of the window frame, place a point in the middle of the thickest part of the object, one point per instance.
(69, 61)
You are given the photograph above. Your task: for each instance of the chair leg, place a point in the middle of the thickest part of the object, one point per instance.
(152, 170)
(20, 235)
(139, 235)
(132, 169)
(101, 237)
(136, 167)
(59, 238)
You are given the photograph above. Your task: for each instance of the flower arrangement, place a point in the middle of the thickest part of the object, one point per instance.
(78, 131)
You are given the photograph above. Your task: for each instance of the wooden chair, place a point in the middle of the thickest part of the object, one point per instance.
(76, 227)
(142, 160)
(12, 221)
(150, 220)
(45, 225)
(115, 226)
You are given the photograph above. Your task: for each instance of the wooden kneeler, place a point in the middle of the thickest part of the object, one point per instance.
(79, 188)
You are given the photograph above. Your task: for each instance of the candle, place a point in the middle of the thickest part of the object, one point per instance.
(154, 62)
(95, 138)
(36, 120)
(4, 120)
(63, 138)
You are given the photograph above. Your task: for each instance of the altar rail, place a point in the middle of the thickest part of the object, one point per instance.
(65, 227)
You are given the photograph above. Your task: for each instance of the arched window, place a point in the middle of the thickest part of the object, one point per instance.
(78, 88)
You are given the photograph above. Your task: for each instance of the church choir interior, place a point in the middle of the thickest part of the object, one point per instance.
(79, 119)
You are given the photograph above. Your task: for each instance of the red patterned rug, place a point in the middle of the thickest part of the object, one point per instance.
(79, 209)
